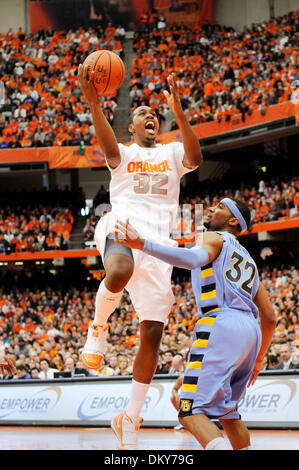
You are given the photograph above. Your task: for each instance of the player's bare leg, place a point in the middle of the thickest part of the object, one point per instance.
(119, 268)
(237, 433)
(146, 360)
(205, 431)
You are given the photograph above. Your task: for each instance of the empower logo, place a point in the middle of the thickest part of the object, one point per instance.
(40, 402)
(272, 396)
(93, 406)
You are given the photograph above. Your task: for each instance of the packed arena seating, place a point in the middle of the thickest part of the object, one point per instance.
(269, 199)
(221, 72)
(28, 226)
(43, 103)
(34, 221)
(51, 323)
(48, 323)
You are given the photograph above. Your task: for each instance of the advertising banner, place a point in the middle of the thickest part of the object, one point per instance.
(82, 402)
(272, 402)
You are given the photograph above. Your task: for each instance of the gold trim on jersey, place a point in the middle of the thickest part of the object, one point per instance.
(200, 343)
(207, 320)
(208, 295)
(189, 388)
(202, 338)
(194, 365)
(207, 271)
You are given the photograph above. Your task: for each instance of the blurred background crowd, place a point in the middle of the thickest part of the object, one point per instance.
(45, 329)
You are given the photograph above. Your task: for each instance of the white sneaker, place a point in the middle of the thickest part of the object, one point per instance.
(95, 347)
(126, 431)
(179, 427)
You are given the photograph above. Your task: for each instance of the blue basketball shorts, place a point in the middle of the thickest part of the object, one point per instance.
(221, 359)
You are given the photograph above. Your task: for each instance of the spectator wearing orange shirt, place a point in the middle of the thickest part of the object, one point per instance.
(144, 20)
(50, 242)
(33, 225)
(15, 244)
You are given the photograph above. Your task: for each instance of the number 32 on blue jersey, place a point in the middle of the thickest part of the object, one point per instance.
(241, 271)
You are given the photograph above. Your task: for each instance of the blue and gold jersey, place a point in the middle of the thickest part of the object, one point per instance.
(229, 282)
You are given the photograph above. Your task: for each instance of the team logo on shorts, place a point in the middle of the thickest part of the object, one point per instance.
(186, 405)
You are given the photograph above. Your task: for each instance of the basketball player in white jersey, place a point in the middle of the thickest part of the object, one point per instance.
(144, 187)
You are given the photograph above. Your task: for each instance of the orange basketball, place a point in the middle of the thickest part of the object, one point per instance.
(109, 71)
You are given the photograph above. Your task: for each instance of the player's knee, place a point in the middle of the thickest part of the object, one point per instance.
(151, 333)
(183, 421)
(228, 423)
(118, 275)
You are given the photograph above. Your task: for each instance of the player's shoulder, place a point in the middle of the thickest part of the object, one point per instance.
(126, 150)
(235, 244)
(215, 238)
(173, 150)
(172, 145)
(123, 146)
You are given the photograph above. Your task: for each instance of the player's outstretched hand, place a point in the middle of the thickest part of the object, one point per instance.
(173, 98)
(255, 372)
(86, 84)
(7, 367)
(125, 234)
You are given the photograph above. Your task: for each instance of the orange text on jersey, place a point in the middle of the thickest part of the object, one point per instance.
(145, 167)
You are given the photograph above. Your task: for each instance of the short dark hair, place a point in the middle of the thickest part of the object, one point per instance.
(178, 354)
(169, 351)
(244, 209)
(132, 113)
(45, 359)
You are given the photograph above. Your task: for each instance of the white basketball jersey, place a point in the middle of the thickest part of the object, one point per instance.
(145, 187)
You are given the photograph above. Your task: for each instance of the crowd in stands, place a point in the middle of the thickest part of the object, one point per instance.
(268, 199)
(43, 220)
(37, 221)
(221, 72)
(43, 329)
(41, 102)
(282, 286)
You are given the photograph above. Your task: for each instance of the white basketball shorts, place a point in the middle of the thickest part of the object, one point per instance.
(150, 285)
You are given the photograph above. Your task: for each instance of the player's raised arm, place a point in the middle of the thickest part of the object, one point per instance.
(193, 155)
(267, 324)
(104, 132)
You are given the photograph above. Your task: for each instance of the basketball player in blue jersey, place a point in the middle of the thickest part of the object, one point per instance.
(229, 342)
